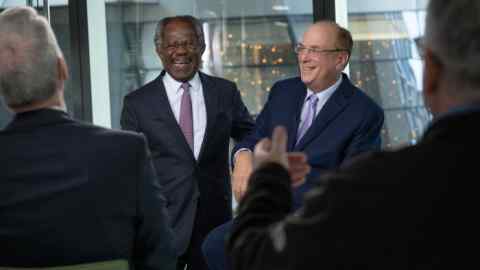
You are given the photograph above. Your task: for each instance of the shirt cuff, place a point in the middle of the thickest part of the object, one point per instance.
(238, 151)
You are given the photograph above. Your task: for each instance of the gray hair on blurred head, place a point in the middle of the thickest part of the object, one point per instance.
(453, 35)
(28, 55)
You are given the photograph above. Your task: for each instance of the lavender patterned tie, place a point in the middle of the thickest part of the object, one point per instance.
(186, 118)
(308, 115)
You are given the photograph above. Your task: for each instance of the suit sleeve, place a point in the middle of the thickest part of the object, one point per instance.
(242, 122)
(367, 137)
(261, 129)
(353, 220)
(265, 236)
(128, 120)
(154, 243)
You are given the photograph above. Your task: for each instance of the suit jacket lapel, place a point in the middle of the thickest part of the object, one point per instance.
(211, 96)
(164, 113)
(294, 122)
(334, 105)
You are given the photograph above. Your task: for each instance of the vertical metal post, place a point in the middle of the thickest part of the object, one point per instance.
(323, 10)
(46, 10)
(80, 57)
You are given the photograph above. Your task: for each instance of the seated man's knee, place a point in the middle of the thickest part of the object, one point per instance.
(213, 247)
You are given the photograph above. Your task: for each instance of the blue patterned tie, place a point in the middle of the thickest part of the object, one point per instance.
(308, 115)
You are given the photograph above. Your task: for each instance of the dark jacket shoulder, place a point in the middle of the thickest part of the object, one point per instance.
(144, 91)
(109, 138)
(217, 80)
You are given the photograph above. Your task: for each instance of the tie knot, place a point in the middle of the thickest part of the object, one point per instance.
(313, 99)
(185, 86)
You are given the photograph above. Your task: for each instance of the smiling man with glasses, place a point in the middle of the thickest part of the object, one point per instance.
(412, 208)
(326, 117)
(188, 118)
(323, 55)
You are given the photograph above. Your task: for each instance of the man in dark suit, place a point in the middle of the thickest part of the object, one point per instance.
(408, 209)
(340, 124)
(70, 192)
(188, 118)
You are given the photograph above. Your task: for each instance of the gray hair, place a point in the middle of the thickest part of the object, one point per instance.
(344, 40)
(453, 35)
(28, 57)
(197, 25)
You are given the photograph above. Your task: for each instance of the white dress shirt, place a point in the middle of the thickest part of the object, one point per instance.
(199, 112)
(322, 96)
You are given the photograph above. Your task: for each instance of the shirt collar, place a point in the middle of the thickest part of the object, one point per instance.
(325, 94)
(194, 82)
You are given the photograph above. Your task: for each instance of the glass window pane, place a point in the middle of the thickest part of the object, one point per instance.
(248, 42)
(12, 3)
(385, 63)
(60, 21)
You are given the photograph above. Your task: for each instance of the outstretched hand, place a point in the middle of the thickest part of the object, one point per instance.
(275, 150)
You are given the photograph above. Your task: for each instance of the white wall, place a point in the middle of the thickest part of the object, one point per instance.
(99, 80)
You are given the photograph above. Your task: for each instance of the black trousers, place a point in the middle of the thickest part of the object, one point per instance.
(193, 258)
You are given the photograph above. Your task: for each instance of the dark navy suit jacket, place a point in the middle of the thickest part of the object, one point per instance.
(193, 187)
(74, 193)
(348, 124)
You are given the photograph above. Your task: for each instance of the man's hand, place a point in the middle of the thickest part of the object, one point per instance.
(298, 168)
(241, 173)
(275, 151)
(268, 151)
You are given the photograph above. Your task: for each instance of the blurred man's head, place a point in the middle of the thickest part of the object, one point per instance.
(323, 54)
(179, 43)
(32, 69)
(452, 54)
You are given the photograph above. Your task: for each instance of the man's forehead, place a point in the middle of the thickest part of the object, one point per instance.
(322, 29)
(181, 28)
(180, 31)
(318, 37)
(180, 24)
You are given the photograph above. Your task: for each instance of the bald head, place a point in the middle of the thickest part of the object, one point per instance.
(30, 56)
(341, 38)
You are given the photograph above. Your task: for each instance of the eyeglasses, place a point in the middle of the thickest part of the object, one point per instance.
(192, 47)
(300, 49)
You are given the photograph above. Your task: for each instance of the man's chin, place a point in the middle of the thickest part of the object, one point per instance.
(305, 80)
(182, 76)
